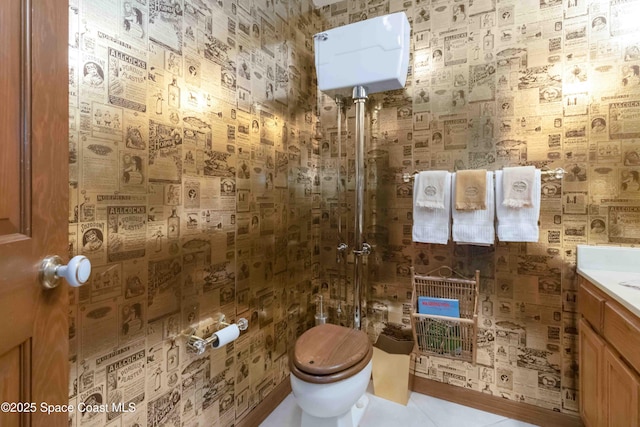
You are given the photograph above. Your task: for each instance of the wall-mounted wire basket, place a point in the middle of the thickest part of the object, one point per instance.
(444, 336)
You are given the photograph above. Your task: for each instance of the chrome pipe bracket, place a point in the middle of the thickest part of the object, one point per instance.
(341, 249)
(366, 250)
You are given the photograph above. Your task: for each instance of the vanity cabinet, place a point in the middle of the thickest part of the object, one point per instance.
(590, 362)
(609, 360)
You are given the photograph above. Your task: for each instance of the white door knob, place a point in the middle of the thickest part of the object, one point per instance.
(76, 273)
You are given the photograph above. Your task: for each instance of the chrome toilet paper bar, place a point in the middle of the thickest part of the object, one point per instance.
(221, 337)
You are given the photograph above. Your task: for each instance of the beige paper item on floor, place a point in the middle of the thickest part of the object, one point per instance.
(391, 369)
(391, 376)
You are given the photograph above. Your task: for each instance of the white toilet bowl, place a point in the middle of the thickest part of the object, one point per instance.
(330, 371)
(339, 404)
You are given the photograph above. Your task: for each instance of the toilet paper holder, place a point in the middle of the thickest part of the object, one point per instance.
(198, 345)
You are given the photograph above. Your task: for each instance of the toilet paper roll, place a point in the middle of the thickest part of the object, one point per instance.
(226, 335)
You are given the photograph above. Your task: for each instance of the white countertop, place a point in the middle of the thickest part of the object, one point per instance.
(609, 266)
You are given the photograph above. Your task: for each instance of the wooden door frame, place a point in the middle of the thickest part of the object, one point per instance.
(50, 115)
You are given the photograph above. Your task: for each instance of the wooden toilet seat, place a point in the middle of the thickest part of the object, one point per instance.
(329, 353)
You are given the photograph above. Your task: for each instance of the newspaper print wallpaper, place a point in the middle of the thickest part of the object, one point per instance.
(195, 192)
(494, 83)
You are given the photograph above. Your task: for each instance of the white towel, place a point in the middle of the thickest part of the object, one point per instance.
(429, 189)
(432, 225)
(518, 186)
(475, 227)
(518, 224)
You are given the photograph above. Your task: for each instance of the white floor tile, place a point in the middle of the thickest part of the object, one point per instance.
(287, 414)
(446, 414)
(421, 411)
(385, 413)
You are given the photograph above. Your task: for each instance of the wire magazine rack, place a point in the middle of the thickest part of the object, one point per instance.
(444, 336)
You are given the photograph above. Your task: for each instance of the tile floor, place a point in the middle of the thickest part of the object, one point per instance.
(421, 411)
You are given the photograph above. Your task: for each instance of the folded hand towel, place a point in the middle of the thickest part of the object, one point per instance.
(470, 188)
(432, 225)
(429, 189)
(518, 186)
(476, 226)
(518, 224)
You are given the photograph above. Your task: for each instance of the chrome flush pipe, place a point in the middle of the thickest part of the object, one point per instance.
(360, 247)
(342, 246)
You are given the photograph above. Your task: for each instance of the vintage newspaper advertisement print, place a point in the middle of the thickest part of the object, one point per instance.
(89, 398)
(106, 122)
(131, 321)
(104, 284)
(165, 23)
(455, 134)
(98, 328)
(455, 49)
(136, 131)
(164, 278)
(165, 153)
(127, 81)
(133, 172)
(620, 11)
(624, 224)
(127, 232)
(93, 242)
(93, 77)
(164, 410)
(125, 384)
(482, 82)
(623, 120)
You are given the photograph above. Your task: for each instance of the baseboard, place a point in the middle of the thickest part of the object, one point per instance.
(484, 402)
(497, 405)
(268, 404)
